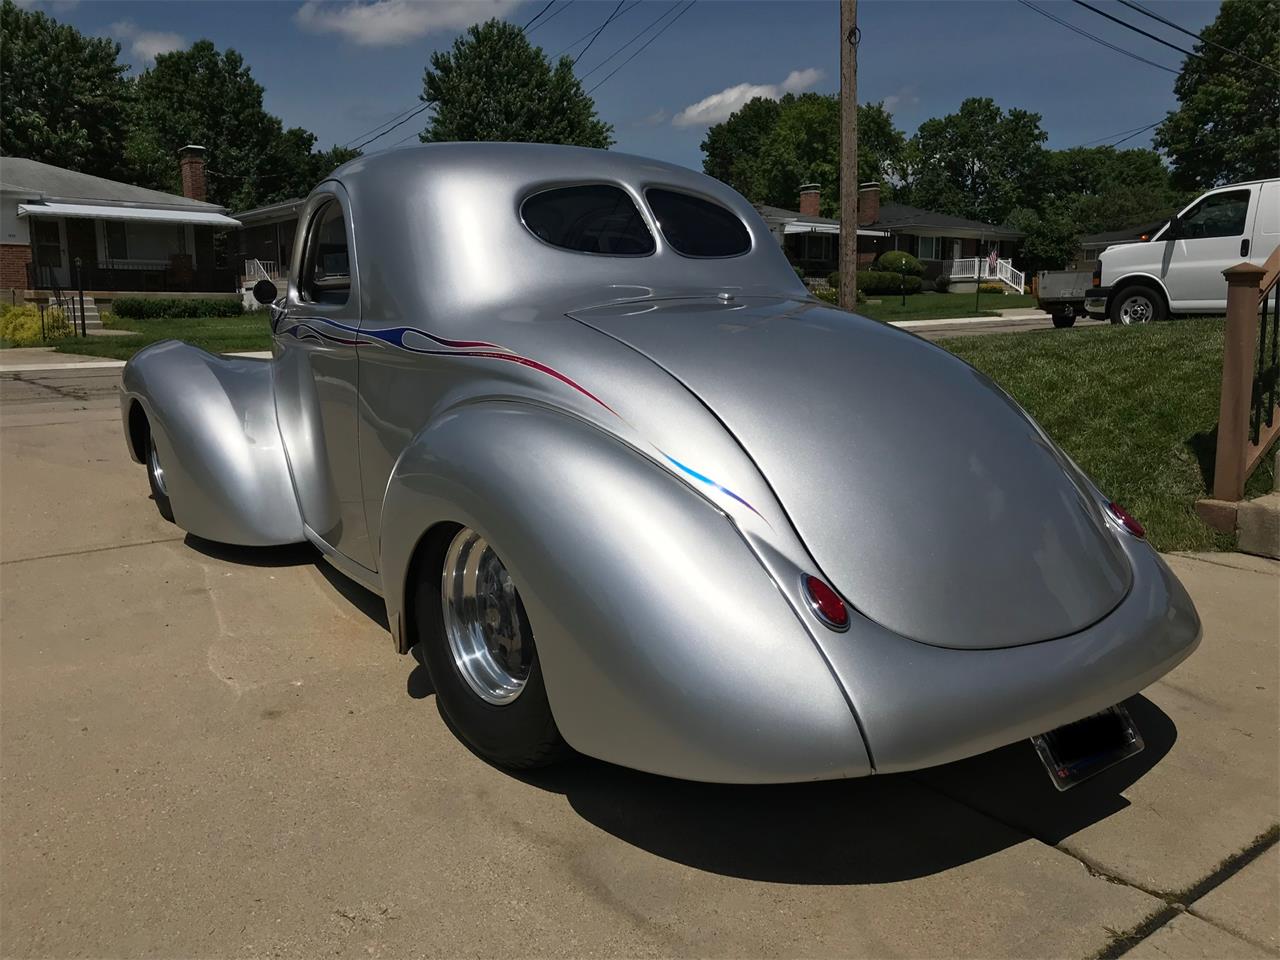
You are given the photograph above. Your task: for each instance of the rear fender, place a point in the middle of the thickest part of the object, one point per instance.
(214, 424)
(664, 643)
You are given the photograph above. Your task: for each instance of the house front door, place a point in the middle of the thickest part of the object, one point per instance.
(49, 251)
(955, 249)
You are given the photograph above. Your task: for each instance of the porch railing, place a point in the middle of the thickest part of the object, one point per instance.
(1248, 410)
(255, 270)
(979, 268)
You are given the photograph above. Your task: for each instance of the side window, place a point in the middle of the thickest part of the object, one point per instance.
(326, 268)
(697, 227)
(595, 218)
(1217, 215)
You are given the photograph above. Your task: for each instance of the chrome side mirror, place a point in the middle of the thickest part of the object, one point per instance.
(264, 291)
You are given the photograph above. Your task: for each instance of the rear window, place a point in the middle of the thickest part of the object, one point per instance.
(595, 218)
(697, 227)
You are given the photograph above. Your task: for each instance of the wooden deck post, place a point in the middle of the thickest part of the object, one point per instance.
(1238, 349)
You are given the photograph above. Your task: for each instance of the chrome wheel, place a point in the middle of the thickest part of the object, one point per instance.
(484, 622)
(157, 471)
(1136, 308)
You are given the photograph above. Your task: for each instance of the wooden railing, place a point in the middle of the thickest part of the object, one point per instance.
(1248, 416)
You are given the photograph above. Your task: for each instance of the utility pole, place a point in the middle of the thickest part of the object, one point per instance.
(849, 154)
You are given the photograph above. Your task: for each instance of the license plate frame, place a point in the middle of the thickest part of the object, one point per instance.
(1074, 752)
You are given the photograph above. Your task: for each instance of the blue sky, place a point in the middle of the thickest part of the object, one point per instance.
(340, 68)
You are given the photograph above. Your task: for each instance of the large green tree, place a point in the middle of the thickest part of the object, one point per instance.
(66, 96)
(768, 148)
(201, 95)
(495, 85)
(980, 162)
(1227, 125)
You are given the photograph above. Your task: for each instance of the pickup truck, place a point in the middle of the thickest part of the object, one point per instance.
(1061, 293)
(1179, 270)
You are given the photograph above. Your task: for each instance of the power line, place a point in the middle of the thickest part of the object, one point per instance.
(1118, 133)
(377, 126)
(650, 26)
(537, 16)
(1136, 132)
(1085, 33)
(608, 21)
(393, 126)
(1191, 33)
(559, 10)
(641, 50)
(566, 49)
(1139, 30)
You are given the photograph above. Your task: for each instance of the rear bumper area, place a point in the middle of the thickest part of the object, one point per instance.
(921, 706)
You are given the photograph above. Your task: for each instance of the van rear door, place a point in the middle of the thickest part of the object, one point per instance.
(1266, 223)
(1214, 233)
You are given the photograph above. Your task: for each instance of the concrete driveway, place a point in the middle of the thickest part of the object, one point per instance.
(211, 752)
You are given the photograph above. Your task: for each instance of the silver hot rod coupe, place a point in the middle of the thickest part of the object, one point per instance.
(632, 490)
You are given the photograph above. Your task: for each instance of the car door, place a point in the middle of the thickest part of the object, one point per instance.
(316, 375)
(1211, 235)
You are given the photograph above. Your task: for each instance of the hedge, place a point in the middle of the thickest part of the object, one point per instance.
(146, 308)
(882, 281)
(899, 261)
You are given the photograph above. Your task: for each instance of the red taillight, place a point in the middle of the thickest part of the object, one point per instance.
(1126, 521)
(826, 603)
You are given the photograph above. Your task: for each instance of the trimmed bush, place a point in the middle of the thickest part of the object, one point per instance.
(828, 295)
(899, 261)
(991, 288)
(884, 282)
(21, 325)
(147, 308)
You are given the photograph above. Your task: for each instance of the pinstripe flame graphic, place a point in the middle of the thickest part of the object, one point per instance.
(323, 330)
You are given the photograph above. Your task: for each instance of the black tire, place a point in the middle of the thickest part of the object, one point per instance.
(520, 734)
(155, 475)
(1126, 308)
(1064, 318)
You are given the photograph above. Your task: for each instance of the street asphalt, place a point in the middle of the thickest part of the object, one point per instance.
(211, 751)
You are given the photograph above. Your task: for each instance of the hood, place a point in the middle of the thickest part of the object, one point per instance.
(923, 492)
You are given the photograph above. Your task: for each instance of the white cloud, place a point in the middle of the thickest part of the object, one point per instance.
(720, 106)
(652, 120)
(384, 23)
(146, 45)
(903, 97)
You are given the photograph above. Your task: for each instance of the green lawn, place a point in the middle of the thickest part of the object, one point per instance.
(252, 331)
(1136, 407)
(939, 306)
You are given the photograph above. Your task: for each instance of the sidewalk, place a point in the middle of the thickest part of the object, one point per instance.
(32, 359)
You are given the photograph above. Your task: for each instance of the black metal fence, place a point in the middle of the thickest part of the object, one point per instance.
(138, 278)
(1264, 393)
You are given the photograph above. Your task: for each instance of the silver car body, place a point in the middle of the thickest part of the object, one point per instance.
(660, 448)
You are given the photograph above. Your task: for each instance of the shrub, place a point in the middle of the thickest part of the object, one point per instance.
(942, 284)
(146, 308)
(833, 279)
(928, 286)
(21, 325)
(991, 288)
(881, 281)
(899, 261)
(828, 295)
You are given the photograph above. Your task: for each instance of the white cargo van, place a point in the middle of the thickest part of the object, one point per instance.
(1179, 270)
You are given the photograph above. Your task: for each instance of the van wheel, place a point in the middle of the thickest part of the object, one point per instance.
(1137, 304)
(479, 648)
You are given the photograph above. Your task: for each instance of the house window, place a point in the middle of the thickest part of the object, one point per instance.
(48, 245)
(141, 240)
(696, 227)
(1217, 215)
(593, 218)
(930, 248)
(326, 271)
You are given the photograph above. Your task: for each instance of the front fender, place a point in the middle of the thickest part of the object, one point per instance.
(214, 424)
(664, 643)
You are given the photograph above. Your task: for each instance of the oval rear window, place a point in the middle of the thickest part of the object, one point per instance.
(697, 227)
(595, 218)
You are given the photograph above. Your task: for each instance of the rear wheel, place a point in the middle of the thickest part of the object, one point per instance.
(1064, 317)
(155, 478)
(479, 647)
(1137, 304)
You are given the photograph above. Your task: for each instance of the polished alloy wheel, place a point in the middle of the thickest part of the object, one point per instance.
(157, 471)
(484, 622)
(1136, 308)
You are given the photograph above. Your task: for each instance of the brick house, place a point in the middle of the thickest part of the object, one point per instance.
(946, 245)
(125, 238)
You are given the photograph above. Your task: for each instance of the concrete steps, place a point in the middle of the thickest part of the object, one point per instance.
(1258, 521)
(92, 321)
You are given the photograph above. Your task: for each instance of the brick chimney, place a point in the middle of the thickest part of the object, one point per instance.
(191, 157)
(868, 203)
(810, 199)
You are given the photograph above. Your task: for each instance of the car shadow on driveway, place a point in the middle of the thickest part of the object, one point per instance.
(880, 829)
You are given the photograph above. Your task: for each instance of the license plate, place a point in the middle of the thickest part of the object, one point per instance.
(1077, 751)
